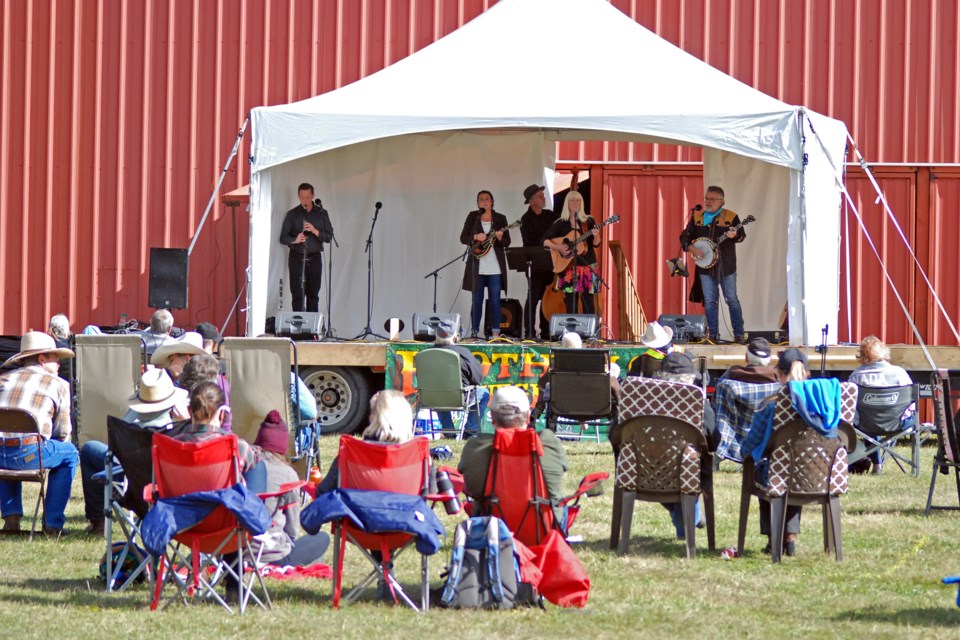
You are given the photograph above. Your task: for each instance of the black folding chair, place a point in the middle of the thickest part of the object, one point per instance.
(880, 428)
(580, 393)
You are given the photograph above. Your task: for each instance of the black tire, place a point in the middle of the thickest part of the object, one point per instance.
(342, 395)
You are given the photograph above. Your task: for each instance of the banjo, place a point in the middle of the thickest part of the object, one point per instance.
(711, 249)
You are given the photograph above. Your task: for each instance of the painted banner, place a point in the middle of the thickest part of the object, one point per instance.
(503, 364)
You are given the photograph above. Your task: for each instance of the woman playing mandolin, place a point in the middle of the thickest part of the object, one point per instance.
(486, 232)
(572, 241)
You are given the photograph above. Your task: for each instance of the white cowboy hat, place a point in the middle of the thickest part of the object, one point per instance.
(156, 392)
(657, 335)
(33, 343)
(190, 343)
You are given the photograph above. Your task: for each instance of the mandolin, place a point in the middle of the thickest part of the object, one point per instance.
(571, 241)
(483, 248)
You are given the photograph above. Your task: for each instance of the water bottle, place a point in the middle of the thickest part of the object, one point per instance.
(123, 320)
(445, 488)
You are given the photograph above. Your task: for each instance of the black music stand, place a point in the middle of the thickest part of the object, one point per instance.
(524, 259)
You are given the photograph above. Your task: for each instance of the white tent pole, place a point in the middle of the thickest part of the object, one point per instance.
(801, 115)
(846, 240)
(216, 189)
(876, 252)
(886, 207)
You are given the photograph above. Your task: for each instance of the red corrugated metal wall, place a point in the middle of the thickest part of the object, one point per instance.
(116, 118)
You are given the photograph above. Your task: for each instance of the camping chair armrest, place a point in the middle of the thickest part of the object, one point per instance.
(589, 482)
(286, 487)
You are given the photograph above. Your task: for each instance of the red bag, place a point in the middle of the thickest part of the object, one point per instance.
(565, 582)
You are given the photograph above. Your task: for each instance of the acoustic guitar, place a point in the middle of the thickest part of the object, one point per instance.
(572, 242)
(483, 248)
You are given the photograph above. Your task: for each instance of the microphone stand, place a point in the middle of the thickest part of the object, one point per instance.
(367, 330)
(328, 332)
(435, 273)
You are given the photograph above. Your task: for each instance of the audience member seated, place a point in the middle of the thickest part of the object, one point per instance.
(678, 367)
(510, 409)
(60, 330)
(659, 342)
(157, 403)
(470, 374)
(875, 370)
(37, 388)
(791, 366)
(211, 337)
(207, 410)
(175, 354)
(391, 422)
(282, 545)
(161, 324)
(758, 369)
(206, 368)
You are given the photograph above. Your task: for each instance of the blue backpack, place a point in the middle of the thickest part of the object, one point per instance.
(484, 571)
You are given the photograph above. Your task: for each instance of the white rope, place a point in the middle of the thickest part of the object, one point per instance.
(869, 238)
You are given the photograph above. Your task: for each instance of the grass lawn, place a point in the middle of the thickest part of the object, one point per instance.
(887, 586)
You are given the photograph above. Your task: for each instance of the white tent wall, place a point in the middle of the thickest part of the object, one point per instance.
(427, 184)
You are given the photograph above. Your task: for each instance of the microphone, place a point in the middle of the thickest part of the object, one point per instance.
(318, 203)
(378, 205)
(696, 208)
(482, 211)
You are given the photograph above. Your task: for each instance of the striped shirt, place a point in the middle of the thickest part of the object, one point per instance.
(41, 393)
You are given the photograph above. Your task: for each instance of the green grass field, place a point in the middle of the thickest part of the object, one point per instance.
(887, 586)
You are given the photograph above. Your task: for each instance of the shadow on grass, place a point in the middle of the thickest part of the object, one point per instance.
(647, 546)
(924, 617)
(84, 592)
(867, 511)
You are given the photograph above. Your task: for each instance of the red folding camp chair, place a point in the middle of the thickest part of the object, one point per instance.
(398, 468)
(181, 468)
(516, 492)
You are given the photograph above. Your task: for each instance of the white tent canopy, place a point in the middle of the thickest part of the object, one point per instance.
(470, 112)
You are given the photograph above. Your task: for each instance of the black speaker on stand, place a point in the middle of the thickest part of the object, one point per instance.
(686, 327)
(169, 275)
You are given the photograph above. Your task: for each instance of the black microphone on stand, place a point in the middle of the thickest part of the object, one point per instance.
(318, 203)
(378, 205)
(696, 208)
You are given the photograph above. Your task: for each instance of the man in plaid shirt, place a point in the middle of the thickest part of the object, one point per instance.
(37, 388)
(739, 392)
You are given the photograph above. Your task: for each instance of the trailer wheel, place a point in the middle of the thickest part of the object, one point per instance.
(343, 397)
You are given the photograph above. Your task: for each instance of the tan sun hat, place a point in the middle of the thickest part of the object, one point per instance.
(156, 392)
(190, 343)
(657, 335)
(33, 343)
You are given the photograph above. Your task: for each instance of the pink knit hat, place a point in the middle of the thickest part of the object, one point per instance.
(273, 435)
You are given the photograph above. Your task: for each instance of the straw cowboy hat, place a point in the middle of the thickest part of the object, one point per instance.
(657, 335)
(33, 343)
(156, 393)
(190, 343)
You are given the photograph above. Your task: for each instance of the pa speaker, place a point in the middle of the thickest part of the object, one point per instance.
(686, 327)
(511, 318)
(169, 273)
(298, 323)
(425, 325)
(585, 325)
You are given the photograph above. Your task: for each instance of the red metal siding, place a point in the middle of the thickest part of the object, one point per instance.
(943, 268)
(116, 118)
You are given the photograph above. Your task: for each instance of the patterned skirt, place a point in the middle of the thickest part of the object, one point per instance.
(578, 279)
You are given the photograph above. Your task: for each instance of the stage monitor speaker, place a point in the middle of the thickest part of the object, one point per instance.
(585, 325)
(298, 323)
(169, 274)
(686, 327)
(511, 318)
(580, 360)
(425, 325)
(777, 336)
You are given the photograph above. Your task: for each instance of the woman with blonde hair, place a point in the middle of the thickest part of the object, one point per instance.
(391, 422)
(579, 279)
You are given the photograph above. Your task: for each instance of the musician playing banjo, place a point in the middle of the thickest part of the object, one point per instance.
(578, 276)
(713, 234)
(486, 231)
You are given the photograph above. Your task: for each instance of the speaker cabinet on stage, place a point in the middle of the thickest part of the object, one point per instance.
(298, 324)
(425, 325)
(511, 318)
(169, 274)
(686, 327)
(584, 324)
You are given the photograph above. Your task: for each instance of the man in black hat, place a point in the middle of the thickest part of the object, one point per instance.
(470, 374)
(758, 369)
(533, 225)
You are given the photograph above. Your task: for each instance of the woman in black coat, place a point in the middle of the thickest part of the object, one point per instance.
(487, 271)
